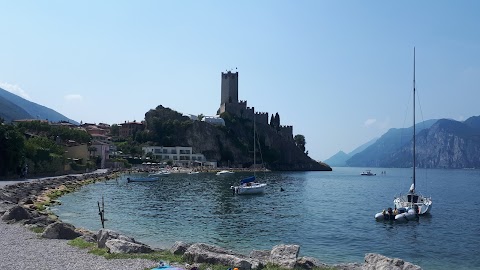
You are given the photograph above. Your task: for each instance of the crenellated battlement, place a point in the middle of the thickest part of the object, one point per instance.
(286, 131)
(231, 104)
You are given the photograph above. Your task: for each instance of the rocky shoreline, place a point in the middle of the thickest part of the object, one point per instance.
(24, 203)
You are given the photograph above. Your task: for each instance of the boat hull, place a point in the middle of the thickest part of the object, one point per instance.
(251, 189)
(412, 200)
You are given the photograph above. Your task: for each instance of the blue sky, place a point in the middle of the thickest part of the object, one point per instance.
(340, 72)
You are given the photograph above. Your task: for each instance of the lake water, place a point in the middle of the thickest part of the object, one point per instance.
(329, 214)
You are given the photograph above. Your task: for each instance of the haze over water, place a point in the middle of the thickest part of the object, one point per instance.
(329, 214)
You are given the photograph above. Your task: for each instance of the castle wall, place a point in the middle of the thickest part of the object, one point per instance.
(286, 131)
(229, 88)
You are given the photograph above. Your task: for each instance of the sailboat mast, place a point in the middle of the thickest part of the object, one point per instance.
(414, 156)
(254, 146)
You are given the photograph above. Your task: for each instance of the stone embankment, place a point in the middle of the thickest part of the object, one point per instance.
(24, 203)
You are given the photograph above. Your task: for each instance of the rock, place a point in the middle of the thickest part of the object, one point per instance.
(261, 255)
(40, 221)
(309, 263)
(5, 206)
(16, 213)
(375, 261)
(179, 248)
(285, 255)
(103, 235)
(122, 246)
(204, 253)
(60, 230)
(28, 201)
(348, 266)
(87, 235)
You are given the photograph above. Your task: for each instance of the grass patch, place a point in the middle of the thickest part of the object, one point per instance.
(155, 256)
(40, 206)
(80, 243)
(37, 229)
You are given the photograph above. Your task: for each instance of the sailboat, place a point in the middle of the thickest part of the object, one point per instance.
(248, 185)
(421, 204)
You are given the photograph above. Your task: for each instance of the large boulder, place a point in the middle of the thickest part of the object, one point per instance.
(60, 230)
(103, 235)
(16, 213)
(179, 248)
(375, 261)
(285, 255)
(122, 246)
(262, 256)
(204, 253)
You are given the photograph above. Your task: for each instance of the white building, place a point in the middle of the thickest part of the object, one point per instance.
(214, 120)
(180, 155)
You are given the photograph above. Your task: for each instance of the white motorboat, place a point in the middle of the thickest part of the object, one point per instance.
(224, 172)
(368, 173)
(412, 199)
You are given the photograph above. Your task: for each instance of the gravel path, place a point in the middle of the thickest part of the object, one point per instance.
(21, 248)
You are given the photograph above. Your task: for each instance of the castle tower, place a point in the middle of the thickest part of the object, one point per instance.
(229, 88)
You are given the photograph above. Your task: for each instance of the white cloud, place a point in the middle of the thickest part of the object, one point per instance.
(14, 89)
(461, 118)
(370, 122)
(73, 97)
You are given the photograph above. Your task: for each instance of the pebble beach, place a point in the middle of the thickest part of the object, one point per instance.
(24, 249)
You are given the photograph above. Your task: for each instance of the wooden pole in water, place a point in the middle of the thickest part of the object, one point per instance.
(101, 212)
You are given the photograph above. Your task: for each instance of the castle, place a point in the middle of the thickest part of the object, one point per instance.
(229, 103)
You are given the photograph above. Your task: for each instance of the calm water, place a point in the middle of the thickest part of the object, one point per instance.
(329, 214)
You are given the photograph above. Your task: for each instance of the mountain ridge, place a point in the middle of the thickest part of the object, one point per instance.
(15, 107)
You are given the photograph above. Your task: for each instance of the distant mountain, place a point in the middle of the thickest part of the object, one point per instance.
(13, 107)
(9, 111)
(443, 143)
(340, 158)
(377, 154)
(447, 144)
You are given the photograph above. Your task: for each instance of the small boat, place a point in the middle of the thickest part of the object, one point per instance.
(159, 174)
(142, 179)
(368, 173)
(224, 172)
(249, 186)
(401, 215)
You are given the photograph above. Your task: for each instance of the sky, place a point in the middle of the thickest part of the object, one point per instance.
(340, 72)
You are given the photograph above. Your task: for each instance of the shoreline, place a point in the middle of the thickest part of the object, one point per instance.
(59, 185)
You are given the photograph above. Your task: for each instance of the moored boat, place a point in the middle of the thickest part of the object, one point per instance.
(224, 172)
(249, 186)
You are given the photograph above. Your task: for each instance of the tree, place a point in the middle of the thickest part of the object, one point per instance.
(11, 149)
(115, 130)
(300, 141)
(200, 117)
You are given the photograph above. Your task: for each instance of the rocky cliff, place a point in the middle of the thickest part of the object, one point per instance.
(231, 144)
(445, 144)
